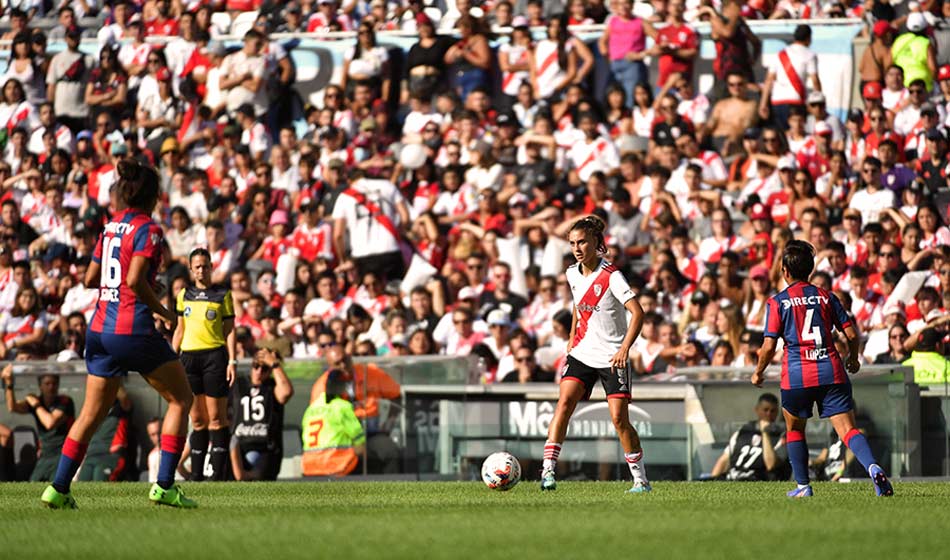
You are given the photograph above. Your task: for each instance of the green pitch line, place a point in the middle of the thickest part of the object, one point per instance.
(466, 520)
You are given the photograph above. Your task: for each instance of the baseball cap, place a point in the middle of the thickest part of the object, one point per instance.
(759, 271)
(938, 133)
(506, 119)
(894, 307)
(856, 115)
(519, 21)
(169, 145)
(279, 217)
(944, 72)
(468, 292)
(759, 212)
(84, 135)
(872, 90)
(881, 27)
(916, 22)
(620, 194)
(786, 162)
(816, 97)
(928, 108)
(393, 288)
(822, 128)
(699, 297)
(498, 317)
(517, 199)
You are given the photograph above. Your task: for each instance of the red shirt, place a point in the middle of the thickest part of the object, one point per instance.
(313, 242)
(164, 27)
(681, 36)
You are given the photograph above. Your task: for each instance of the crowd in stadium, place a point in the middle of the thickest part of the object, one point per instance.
(332, 227)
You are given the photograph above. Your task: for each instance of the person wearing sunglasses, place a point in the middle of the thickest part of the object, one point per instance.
(258, 411)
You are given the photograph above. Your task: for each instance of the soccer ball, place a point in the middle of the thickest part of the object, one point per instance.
(501, 471)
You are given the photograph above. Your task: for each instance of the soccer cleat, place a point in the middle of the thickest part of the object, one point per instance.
(172, 497)
(56, 500)
(547, 481)
(882, 486)
(640, 487)
(801, 493)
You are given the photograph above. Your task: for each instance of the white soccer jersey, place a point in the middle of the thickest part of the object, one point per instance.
(599, 300)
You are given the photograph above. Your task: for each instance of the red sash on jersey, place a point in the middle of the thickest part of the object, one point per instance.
(585, 308)
(375, 211)
(598, 149)
(547, 62)
(793, 78)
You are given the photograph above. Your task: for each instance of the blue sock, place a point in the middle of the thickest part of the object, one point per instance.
(172, 446)
(798, 455)
(69, 461)
(858, 444)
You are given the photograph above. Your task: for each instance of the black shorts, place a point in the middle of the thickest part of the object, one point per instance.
(207, 371)
(616, 382)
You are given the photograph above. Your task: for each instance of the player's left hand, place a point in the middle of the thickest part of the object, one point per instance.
(231, 374)
(32, 400)
(757, 378)
(852, 365)
(620, 358)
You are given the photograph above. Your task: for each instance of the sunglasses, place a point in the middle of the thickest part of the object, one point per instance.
(888, 255)
(261, 366)
(525, 359)
(327, 344)
(945, 272)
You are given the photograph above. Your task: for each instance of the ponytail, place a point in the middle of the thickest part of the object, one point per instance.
(593, 226)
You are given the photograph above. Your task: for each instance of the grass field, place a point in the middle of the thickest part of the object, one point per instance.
(465, 520)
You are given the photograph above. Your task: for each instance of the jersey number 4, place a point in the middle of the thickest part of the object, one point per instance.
(809, 332)
(111, 266)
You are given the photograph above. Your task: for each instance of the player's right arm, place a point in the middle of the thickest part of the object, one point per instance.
(570, 339)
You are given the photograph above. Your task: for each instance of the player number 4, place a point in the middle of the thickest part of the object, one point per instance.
(809, 332)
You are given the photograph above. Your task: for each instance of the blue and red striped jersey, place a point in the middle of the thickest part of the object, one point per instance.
(803, 315)
(130, 233)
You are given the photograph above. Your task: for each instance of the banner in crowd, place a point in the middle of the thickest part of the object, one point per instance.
(319, 62)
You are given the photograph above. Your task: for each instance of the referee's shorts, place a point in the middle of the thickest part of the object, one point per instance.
(207, 371)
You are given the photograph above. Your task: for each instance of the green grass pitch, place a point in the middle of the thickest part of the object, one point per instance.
(346, 520)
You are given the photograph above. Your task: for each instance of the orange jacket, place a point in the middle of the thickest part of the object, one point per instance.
(371, 384)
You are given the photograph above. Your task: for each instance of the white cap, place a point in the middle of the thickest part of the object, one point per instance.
(917, 22)
(468, 292)
(786, 162)
(498, 317)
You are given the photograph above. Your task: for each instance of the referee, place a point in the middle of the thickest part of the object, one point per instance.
(205, 338)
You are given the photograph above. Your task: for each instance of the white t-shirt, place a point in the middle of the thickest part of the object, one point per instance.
(804, 62)
(367, 235)
(369, 64)
(601, 332)
(599, 155)
(871, 204)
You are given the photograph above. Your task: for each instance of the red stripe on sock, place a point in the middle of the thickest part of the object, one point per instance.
(173, 444)
(74, 450)
(795, 435)
(849, 435)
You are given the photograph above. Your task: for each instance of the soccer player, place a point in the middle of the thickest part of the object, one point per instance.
(812, 370)
(122, 336)
(598, 348)
(205, 337)
(756, 450)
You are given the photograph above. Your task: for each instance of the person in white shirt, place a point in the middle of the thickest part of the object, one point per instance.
(907, 118)
(594, 153)
(255, 135)
(242, 75)
(787, 73)
(873, 198)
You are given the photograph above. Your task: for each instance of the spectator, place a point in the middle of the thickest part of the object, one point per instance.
(53, 413)
(558, 61)
(242, 75)
(757, 450)
(877, 56)
(23, 68)
(736, 45)
(107, 457)
(469, 59)
(272, 339)
(367, 63)
(679, 46)
(258, 411)
(623, 42)
(333, 439)
(785, 83)
(930, 367)
(914, 52)
(67, 80)
(154, 430)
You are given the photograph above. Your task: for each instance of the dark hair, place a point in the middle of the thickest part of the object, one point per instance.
(799, 259)
(802, 33)
(18, 311)
(767, 397)
(199, 252)
(138, 185)
(593, 226)
(336, 386)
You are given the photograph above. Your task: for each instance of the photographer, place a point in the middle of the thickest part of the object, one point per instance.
(258, 412)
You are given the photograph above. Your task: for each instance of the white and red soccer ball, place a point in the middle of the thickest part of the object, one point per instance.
(501, 471)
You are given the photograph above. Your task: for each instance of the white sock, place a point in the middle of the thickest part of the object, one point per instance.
(637, 468)
(800, 486)
(552, 451)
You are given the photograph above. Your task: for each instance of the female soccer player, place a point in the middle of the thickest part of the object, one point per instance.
(205, 337)
(598, 347)
(812, 370)
(122, 336)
